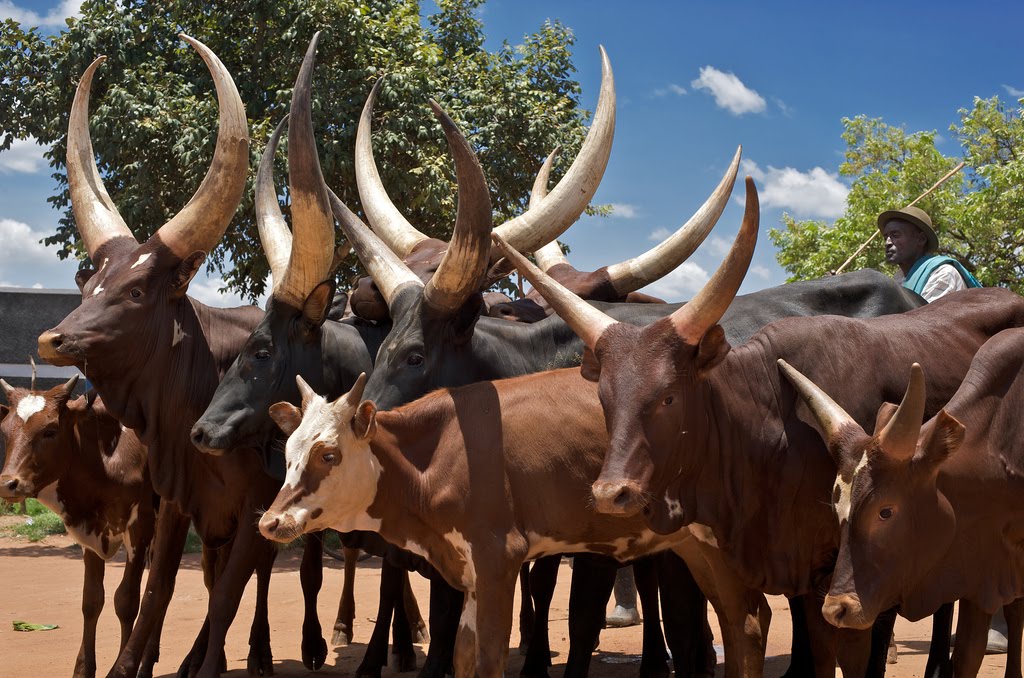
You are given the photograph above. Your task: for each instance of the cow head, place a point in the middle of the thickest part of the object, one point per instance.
(332, 474)
(131, 305)
(651, 381)
(894, 522)
(38, 429)
(287, 340)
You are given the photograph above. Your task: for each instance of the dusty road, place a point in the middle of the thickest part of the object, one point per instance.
(42, 583)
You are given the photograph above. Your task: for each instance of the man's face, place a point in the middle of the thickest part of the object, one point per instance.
(904, 242)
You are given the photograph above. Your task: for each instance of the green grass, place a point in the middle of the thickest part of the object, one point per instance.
(35, 508)
(40, 523)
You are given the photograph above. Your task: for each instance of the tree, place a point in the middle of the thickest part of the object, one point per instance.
(153, 112)
(979, 213)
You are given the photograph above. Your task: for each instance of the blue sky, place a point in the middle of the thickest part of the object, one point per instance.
(694, 80)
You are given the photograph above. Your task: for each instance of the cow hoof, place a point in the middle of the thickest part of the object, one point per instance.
(314, 653)
(145, 672)
(405, 662)
(342, 636)
(88, 670)
(421, 634)
(260, 661)
(622, 617)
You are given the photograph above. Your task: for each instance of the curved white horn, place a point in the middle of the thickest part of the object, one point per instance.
(551, 253)
(274, 234)
(899, 437)
(831, 417)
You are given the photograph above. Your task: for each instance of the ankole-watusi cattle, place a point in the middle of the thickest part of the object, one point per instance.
(155, 356)
(704, 432)
(79, 462)
(917, 503)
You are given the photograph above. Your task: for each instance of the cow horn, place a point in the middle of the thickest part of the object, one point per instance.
(564, 205)
(7, 389)
(65, 390)
(588, 322)
(389, 273)
(201, 223)
(384, 217)
(898, 438)
(551, 253)
(465, 261)
(312, 224)
(97, 217)
(305, 390)
(697, 316)
(274, 234)
(632, 274)
(355, 394)
(831, 417)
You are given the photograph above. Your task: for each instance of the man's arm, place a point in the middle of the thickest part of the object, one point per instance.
(943, 280)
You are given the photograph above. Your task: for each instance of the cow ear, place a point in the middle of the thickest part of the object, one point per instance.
(590, 368)
(82, 277)
(885, 413)
(944, 437)
(364, 424)
(465, 318)
(318, 303)
(286, 416)
(186, 270)
(712, 350)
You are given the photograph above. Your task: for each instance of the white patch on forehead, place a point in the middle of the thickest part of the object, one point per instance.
(30, 405)
(317, 425)
(675, 509)
(843, 504)
(465, 551)
(142, 259)
(178, 334)
(99, 288)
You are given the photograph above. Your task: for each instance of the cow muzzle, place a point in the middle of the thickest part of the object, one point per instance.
(207, 439)
(846, 612)
(282, 527)
(13, 488)
(56, 349)
(620, 498)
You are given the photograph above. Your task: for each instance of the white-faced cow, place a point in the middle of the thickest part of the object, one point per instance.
(83, 465)
(918, 505)
(704, 432)
(156, 356)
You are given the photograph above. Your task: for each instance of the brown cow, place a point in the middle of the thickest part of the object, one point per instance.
(704, 432)
(931, 514)
(83, 465)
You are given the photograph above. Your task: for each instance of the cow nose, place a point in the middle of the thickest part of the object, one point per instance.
(843, 611)
(617, 498)
(49, 342)
(202, 438)
(9, 485)
(269, 524)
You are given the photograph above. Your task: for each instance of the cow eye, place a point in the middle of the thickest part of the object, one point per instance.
(135, 292)
(328, 457)
(49, 433)
(414, 360)
(668, 400)
(885, 513)
(262, 354)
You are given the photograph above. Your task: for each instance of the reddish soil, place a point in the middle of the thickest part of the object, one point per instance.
(42, 583)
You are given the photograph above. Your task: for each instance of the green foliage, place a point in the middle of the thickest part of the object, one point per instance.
(33, 507)
(40, 523)
(978, 213)
(153, 112)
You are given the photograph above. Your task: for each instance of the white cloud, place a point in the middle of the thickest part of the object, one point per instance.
(815, 193)
(761, 271)
(659, 234)
(786, 109)
(729, 91)
(1013, 91)
(26, 262)
(207, 290)
(718, 245)
(671, 88)
(24, 156)
(55, 18)
(624, 210)
(681, 284)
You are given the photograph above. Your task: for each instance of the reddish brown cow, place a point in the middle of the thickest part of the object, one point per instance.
(83, 465)
(704, 432)
(917, 503)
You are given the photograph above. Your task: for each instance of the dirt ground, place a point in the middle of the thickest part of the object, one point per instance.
(42, 583)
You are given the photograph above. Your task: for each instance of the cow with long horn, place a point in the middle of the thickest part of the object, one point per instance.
(682, 375)
(156, 355)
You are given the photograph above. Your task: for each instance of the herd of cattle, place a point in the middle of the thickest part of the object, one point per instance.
(721, 444)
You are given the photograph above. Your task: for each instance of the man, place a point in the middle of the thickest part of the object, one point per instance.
(910, 243)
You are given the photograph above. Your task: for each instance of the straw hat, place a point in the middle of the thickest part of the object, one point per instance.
(916, 216)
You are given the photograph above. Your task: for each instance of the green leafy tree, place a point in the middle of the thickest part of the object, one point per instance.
(978, 214)
(154, 113)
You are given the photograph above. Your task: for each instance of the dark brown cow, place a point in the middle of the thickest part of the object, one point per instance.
(156, 355)
(704, 432)
(477, 479)
(81, 464)
(931, 514)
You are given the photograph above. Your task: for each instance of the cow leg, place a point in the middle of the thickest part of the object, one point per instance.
(347, 604)
(881, 639)
(445, 610)
(260, 661)
(495, 595)
(654, 656)
(126, 598)
(939, 664)
(212, 562)
(92, 605)
(417, 625)
(593, 578)
(971, 639)
(151, 655)
(1014, 613)
(743, 613)
(527, 617)
(465, 642)
(685, 618)
(801, 658)
(376, 657)
(402, 631)
(311, 577)
(168, 544)
(543, 576)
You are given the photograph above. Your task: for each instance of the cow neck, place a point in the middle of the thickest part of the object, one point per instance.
(346, 350)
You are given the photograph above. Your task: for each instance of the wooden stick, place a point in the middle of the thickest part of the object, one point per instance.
(916, 200)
